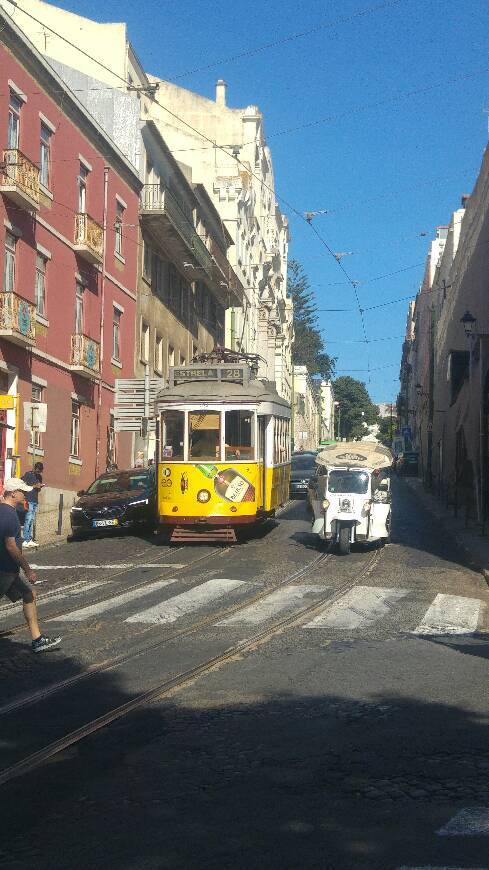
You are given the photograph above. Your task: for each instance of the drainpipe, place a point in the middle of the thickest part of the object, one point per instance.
(102, 307)
(482, 439)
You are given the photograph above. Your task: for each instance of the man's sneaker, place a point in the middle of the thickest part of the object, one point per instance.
(29, 544)
(43, 643)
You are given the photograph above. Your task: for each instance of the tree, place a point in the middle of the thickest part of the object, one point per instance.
(387, 430)
(356, 407)
(308, 348)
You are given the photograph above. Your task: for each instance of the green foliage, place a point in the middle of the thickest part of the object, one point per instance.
(354, 399)
(387, 430)
(308, 348)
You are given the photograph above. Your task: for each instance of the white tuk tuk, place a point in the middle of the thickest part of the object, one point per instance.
(351, 494)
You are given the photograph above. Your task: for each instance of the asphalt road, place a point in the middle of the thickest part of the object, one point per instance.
(343, 724)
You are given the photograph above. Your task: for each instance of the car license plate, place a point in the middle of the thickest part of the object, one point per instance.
(100, 523)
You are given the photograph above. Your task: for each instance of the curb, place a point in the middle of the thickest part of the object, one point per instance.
(473, 560)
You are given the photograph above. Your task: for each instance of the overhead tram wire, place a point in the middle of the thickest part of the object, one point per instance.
(344, 19)
(278, 196)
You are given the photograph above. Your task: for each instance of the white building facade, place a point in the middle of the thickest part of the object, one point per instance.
(238, 174)
(307, 411)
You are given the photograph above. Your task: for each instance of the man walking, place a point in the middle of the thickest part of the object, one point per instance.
(34, 481)
(12, 585)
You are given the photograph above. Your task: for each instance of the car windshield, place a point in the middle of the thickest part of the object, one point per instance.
(355, 482)
(137, 481)
(303, 463)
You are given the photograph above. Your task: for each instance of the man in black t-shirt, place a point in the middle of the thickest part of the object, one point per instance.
(12, 585)
(33, 479)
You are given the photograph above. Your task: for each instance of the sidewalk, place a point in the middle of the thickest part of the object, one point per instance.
(470, 540)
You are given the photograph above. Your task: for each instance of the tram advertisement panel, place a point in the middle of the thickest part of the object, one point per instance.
(208, 488)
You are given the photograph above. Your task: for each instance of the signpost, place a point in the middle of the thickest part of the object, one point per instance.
(35, 419)
(133, 406)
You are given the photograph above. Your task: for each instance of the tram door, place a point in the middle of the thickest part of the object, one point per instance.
(262, 458)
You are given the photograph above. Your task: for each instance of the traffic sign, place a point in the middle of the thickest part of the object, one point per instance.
(35, 416)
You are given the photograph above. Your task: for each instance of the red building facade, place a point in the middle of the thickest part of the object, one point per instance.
(68, 261)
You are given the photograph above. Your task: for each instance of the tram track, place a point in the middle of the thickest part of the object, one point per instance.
(15, 629)
(158, 692)
(44, 598)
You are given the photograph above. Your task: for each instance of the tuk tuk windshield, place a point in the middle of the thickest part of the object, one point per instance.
(355, 482)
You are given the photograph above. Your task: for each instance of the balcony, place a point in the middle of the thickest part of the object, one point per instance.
(85, 356)
(173, 226)
(227, 287)
(89, 239)
(19, 179)
(17, 320)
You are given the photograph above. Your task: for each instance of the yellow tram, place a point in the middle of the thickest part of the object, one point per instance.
(224, 448)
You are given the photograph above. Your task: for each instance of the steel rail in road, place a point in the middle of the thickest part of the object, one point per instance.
(108, 664)
(7, 632)
(15, 629)
(34, 760)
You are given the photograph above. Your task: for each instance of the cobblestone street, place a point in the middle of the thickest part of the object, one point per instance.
(301, 709)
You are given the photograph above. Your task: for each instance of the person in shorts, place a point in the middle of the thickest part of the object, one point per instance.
(12, 585)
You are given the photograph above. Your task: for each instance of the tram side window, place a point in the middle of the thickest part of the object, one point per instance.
(281, 451)
(173, 429)
(239, 435)
(204, 435)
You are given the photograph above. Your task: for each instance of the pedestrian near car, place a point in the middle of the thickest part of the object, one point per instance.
(33, 479)
(12, 585)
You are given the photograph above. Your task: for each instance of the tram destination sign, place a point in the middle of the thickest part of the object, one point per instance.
(236, 374)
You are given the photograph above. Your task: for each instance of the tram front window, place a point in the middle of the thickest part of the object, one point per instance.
(204, 435)
(239, 435)
(173, 430)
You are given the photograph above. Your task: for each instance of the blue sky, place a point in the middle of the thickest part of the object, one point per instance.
(387, 164)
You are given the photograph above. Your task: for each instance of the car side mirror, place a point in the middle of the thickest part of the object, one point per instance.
(80, 492)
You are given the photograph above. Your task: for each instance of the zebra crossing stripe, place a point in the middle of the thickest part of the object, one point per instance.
(450, 614)
(77, 588)
(469, 822)
(114, 602)
(186, 602)
(282, 599)
(360, 607)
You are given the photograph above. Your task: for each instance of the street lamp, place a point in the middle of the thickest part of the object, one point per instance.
(469, 323)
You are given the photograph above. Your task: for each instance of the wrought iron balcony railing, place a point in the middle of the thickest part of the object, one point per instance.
(85, 355)
(17, 319)
(19, 179)
(89, 238)
(157, 199)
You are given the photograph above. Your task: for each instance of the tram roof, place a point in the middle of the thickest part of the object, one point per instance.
(222, 392)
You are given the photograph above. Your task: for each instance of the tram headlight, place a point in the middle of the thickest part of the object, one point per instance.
(326, 504)
(203, 496)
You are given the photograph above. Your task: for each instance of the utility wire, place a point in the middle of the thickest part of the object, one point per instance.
(344, 19)
(292, 208)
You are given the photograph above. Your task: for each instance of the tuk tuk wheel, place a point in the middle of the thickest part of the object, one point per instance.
(344, 540)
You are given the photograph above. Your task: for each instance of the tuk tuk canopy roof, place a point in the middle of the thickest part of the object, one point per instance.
(355, 454)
